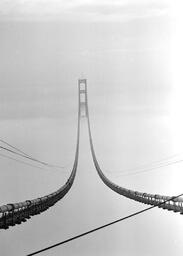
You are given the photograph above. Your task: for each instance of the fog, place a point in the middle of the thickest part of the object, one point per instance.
(128, 53)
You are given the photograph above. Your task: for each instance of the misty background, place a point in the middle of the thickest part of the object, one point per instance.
(130, 53)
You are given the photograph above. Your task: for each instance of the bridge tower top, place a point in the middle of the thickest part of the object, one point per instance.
(82, 85)
(83, 105)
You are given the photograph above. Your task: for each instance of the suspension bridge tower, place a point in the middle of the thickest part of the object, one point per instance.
(83, 101)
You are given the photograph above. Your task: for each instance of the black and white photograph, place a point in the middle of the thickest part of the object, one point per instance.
(91, 127)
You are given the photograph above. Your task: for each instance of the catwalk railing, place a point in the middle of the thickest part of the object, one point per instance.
(16, 213)
(170, 203)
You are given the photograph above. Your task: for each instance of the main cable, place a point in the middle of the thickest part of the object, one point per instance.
(117, 174)
(103, 226)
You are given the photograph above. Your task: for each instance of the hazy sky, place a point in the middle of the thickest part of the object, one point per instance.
(130, 52)
(84, 8)
(46, 45)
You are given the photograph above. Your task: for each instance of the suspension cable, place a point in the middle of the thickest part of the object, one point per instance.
(148, 165)
(28, 164)
(31, 158)
(148, 170)
(103, 226)
(17, 149)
